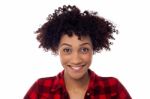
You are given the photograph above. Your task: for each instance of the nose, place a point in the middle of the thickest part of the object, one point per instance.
(76, 58)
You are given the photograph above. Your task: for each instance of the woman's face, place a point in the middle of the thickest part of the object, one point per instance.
(75, 55)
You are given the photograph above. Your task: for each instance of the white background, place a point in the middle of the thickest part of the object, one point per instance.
(22, 62)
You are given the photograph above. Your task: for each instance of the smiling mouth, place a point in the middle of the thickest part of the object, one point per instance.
(76, 68)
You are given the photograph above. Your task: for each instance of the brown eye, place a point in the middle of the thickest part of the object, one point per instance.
(67, 50)
(84, 50)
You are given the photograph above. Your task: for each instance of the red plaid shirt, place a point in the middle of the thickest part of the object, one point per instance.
(99, 88)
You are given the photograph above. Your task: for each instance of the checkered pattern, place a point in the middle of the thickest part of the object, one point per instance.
(99, 88)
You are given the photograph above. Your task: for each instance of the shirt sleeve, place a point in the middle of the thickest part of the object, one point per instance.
(122, 92)
(32, 92)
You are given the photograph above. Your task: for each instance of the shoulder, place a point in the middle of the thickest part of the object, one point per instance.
(103, 80)
(46, 81)
(43, 84)
(40, 87)
(111, 80)
(45, 87)
(113, 85)
(107, 81)
(100, 81)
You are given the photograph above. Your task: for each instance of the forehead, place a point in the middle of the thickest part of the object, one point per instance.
(74, 39)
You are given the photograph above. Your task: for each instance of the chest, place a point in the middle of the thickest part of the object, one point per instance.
(86, 95)
(76, 94)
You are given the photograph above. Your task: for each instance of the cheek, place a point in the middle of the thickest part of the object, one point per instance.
(87, 58)
(63, 59)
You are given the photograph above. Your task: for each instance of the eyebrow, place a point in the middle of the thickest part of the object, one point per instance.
(65, 44)
(71, 45)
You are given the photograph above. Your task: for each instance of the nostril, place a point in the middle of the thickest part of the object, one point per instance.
(83, 65)
(68, 65)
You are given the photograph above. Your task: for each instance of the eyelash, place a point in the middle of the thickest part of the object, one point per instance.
(67, 50)
(83, 50)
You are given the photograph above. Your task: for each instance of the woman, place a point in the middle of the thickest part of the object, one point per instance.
(75, 37)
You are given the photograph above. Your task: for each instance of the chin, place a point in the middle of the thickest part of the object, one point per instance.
(77, 76)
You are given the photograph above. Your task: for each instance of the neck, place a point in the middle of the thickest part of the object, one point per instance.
(77, 84)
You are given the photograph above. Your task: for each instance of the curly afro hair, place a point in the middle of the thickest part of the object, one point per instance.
(69, 20)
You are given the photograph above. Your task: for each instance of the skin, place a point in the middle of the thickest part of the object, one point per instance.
(76, 57)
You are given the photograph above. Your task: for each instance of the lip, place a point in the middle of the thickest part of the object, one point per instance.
(76, 68)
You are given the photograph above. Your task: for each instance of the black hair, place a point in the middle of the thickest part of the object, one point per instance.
(70, 20)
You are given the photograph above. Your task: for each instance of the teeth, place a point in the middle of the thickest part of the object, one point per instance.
(76, 68)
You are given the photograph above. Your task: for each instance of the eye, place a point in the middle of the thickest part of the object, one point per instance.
(84, 50)
(67, 50)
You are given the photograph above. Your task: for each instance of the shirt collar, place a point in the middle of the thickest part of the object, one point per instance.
(93, 79)
(59, 84)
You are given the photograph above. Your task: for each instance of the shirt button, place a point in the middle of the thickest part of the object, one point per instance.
(87, 93)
